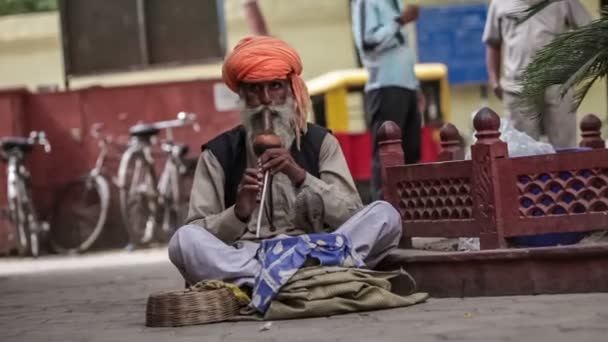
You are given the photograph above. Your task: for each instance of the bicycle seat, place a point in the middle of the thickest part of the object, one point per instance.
(143, 130)
(20, 143)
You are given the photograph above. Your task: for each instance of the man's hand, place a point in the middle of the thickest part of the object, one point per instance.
(409, 14)
(497, 88)
(280, 160)
(247, 191)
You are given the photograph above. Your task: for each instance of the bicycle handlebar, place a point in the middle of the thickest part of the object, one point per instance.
(183, 119)
(39, 137)
(189, 118)
(95, 132)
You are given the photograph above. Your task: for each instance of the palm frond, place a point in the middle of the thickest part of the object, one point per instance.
(574, 59)
(579, 74)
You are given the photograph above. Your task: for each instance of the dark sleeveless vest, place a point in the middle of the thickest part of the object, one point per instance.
(230, 150)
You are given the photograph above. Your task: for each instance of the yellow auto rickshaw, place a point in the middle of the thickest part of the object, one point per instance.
(337, 99)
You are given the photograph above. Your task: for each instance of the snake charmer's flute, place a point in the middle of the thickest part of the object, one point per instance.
(266, 140)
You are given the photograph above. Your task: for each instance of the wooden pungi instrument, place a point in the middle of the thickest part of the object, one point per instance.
(262, 142)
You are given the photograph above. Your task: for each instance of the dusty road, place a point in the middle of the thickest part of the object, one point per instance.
(102, 297)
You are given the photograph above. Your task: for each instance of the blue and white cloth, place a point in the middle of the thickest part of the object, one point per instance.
(281, 258)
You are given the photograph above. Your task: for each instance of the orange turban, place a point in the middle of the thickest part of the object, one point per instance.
(263, 58)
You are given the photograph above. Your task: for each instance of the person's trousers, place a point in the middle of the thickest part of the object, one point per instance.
(554, 118)
(373, 232)
(399, 105)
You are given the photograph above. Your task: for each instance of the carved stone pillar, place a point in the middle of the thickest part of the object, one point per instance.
(591, 131)
(486, 186)
(451, 147)
(391, 154)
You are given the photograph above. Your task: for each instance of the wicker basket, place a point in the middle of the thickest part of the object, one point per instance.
(195, 305)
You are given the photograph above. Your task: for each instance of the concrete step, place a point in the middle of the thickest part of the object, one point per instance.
(505, 272)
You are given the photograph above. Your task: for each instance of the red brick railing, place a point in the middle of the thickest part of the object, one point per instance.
(495, 197)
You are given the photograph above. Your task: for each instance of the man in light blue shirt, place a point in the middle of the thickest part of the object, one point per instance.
(391, 90)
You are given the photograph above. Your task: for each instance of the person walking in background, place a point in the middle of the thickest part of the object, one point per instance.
(254, 18)
(515, 46)
(391, 92)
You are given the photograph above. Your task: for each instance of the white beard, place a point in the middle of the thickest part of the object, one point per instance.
(283, 121)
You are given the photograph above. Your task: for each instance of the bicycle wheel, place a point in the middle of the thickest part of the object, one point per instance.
(138, 197)
(18, 221)
(79, 214)
(34, 244)
(25, 221)
(172, 213)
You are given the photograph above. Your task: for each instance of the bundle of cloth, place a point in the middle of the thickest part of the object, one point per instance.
(319, 275)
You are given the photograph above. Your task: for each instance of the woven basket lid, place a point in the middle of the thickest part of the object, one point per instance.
(195, 305)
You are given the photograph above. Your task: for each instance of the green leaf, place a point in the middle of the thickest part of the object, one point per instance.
(9, 7)
(574, 59)
(579, 75)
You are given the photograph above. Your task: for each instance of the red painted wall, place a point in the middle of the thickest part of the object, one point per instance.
(63, 114)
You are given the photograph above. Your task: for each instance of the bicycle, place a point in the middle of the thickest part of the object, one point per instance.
(82, 206)
(145, 202)
(21, 211)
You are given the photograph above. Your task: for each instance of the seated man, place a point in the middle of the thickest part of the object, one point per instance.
(312, 190)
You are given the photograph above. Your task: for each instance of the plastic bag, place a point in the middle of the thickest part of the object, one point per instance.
(468, 244)
(519, 144)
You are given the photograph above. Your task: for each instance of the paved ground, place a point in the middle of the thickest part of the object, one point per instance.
(102, 298)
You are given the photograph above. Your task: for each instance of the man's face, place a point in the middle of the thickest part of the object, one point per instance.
(274, 95)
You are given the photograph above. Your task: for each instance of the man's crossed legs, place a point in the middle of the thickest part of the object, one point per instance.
(373, 232)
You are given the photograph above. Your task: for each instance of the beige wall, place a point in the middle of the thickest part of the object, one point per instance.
(30, 52)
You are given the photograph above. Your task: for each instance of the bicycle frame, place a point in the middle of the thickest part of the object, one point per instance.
(171, 165)
(17, 178)
(13, 173)
(101, 158)
(136, 146)
(169, 182)
(164, 193)
(143, 145)
(19, 191)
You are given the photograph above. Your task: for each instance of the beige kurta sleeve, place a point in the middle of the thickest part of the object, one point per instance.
(340, 196)
(207, 201)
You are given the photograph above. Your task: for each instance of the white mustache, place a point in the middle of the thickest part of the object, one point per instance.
(276, 110)
(283, 120)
